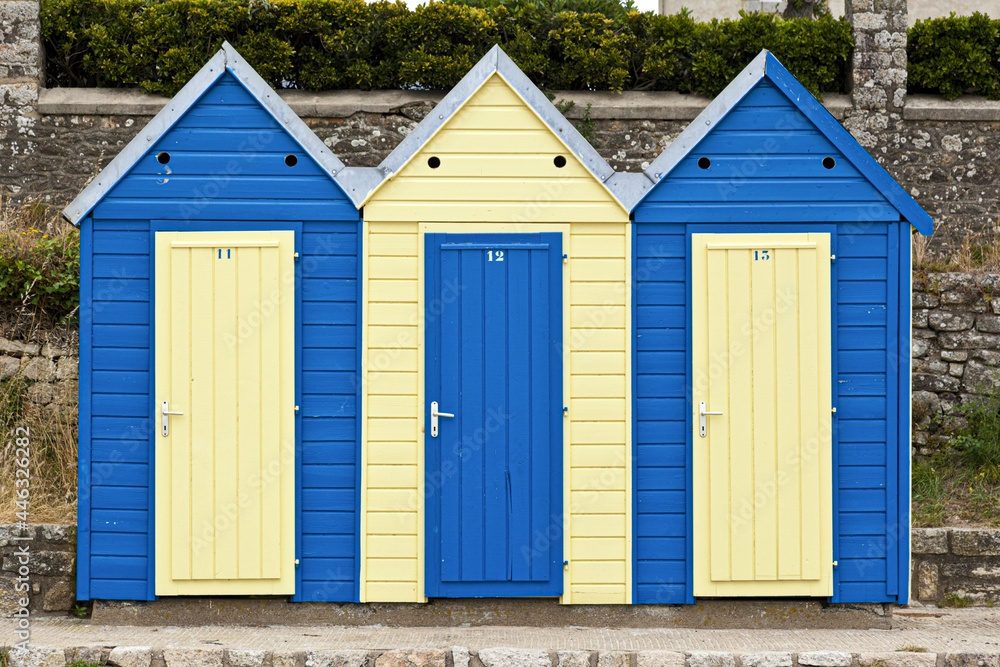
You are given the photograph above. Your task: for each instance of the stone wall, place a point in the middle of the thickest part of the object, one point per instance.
(955, 349)
(49, 553)
(957, 563)
(944, 153)
(50, 365)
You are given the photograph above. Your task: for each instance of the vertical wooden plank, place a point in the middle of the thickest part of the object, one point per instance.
(202, 489)
(710, 298)
(250, 409)
(178, 302)
(473, 320)
(540, 402)
(226, 443)
(787, 400)
(271, 400)
(764, 484)
(809, 380)
(496, 546)
(448, 439)
(519, 411)
(741, 409)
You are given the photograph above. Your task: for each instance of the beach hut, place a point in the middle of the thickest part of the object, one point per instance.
(219, 354)
(772, 332)
(496, 445)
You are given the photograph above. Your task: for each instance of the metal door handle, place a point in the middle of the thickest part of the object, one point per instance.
(434, 418)
(165, 415)
(702, 422)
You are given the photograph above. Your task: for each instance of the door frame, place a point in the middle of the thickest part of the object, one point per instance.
(768, 228)
(559, 384)
(221, 226)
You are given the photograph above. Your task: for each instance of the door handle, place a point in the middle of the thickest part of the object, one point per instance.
(165, 415)
(434, 418)
(702, 421)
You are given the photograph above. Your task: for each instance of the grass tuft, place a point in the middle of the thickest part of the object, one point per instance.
(954, 600)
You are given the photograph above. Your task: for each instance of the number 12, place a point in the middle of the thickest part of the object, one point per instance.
(499, 255)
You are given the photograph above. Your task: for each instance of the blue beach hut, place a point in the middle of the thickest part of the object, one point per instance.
(219, 342)
(771, 328)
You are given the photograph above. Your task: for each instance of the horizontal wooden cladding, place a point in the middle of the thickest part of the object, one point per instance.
(526, 208)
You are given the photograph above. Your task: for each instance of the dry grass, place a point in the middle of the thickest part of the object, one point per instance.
(52, 436)
(972, 252)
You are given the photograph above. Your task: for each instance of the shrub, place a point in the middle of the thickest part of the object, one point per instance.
(980, 443)
(955, 55)
(39, 263)
(331, 44)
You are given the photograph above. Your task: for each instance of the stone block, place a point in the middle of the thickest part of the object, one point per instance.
(927, 581)
(956, 370)
(60, 596)
(8, 367)
(978, 376)
(988, 323)
(68, 368)
(935, 383)
(40, 369)
(514, 657)
(969, 340)
(290, 659)
(869, 21)
(40, 393)
(193, 657)
(130, 656)
(972, 660)
(982, 568)
(768, 659)
(59, 533)
(929, 540)
(574, 658)
(920, 318)
(413, 658)
(711, 659)
(924, 300)
(84, 654)
(460, 656)
(336, 658)
(660, 659)
(897, 659)
(36, 657)
(825, 659)
(918, 348)
(46, 563)
(621, 659)
(988, 357)
(246, 658)
(954, 355)
(942, 320)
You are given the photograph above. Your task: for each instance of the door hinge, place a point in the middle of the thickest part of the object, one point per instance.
(296, 257)
(565, 259)
(833, 258)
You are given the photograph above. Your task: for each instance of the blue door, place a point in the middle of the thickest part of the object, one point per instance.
(494, 361)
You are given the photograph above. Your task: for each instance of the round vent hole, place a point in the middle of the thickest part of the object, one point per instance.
(163, 157)
(829, 162)
(704, 162)
(434, 162)
(559, 161)
(291, 160)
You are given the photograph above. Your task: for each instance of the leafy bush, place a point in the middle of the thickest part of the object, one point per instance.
(955, 55)
(39, 267)
(980, 443)
(158, 45)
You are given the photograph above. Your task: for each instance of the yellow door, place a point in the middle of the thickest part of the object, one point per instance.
(761, 345)
(225, 360)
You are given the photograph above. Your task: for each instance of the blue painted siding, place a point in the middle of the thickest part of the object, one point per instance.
(766, 167)
(226, 164)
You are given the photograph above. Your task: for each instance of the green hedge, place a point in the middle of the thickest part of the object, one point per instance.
(331, 44)
(955, 55)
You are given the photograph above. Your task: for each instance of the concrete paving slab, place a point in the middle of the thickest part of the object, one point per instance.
(951, 631)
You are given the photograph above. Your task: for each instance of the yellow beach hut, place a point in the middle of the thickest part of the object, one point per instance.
(496, 438)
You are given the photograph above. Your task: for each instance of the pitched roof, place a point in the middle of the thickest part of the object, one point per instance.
(498, 62)
(766, 65)
(227, 59)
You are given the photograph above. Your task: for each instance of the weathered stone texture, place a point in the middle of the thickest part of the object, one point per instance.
(956, 562)
(51, 567)
(514, 657)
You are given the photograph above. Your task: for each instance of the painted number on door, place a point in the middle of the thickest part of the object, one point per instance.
(494, 255)
(229, 253)
(761, 255)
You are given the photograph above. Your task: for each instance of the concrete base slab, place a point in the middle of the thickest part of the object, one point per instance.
(523, 612)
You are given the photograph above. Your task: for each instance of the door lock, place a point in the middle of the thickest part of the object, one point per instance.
(702, 421)
(434, 418)
(165, 415)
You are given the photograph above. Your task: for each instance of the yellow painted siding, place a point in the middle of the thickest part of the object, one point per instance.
(497, 175)
(496, 166)
(762, 356)
(225, 474)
